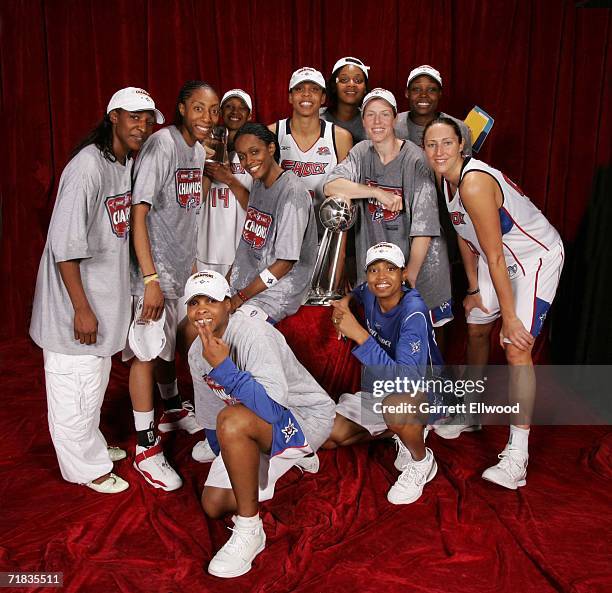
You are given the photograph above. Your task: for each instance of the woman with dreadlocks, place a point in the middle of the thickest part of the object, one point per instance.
(80, 315)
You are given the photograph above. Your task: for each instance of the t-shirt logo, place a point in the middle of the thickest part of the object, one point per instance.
(323, 150)
(377, 211)
(256, 227)
(118, 210)
(188, 187)
(219, 391)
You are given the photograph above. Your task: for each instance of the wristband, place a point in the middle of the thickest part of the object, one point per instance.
(473, 292)
(268, 278)
(151, 278)
(242, 296)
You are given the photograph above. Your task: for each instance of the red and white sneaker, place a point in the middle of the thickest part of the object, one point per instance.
(155, 469)
(184, 418)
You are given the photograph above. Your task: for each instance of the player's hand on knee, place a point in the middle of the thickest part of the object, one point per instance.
(85, 326)
(153, 304)
(473, 301)
(514, 331)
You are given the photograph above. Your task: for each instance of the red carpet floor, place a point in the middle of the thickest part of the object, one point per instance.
(331, 532)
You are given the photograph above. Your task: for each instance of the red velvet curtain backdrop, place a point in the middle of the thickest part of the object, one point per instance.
(542, 69)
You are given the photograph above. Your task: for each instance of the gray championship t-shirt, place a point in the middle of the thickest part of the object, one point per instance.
(90, 223)
(408, 176)
(259, 348)
(279, 225)
(406, 129)
(168, 175)
(354, 126)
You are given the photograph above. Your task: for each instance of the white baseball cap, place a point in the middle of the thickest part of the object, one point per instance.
(146, 337)
(349, 61)
(132, 98)
(307, 74)
(427, 71)
(387, 252)
(208, 283)
(379, 94)
(241, 95)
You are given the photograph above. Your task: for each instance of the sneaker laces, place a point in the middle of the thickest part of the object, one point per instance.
(512, 462)
(414, 473)
(239, 540)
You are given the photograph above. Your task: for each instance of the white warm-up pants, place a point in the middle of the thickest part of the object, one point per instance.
(75, 390)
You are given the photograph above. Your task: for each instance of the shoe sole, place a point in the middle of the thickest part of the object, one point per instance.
(432, 474)
(513, 486)
(207, 460)
(123, 489)
(240, 572)
(171, 428)
(149, 480)
(456, 436)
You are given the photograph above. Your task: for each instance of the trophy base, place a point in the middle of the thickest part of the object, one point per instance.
(322, 298)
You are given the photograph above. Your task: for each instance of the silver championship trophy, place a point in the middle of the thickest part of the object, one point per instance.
(337, 216)
(218, 142)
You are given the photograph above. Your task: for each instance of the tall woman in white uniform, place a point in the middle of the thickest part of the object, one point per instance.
(513, 259)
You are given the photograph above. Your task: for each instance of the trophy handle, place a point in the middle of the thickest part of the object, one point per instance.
(321, 253)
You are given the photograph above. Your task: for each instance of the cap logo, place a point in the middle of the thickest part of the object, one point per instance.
(203, 275)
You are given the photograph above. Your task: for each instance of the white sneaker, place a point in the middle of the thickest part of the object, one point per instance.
(403, 454)
(155, 469)
(184, 418)
(511, 471)
(308, 464)
(416, 474)
(236, 556)
(203, 452)
(452, 431)
(112, 485)
(116, 453)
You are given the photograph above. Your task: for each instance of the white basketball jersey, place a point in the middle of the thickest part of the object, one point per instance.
(526, 233)
(311, 166)
(221, 219)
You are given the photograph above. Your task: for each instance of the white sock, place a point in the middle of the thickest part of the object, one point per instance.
(168, 390)
(247, 521)
(519, 438)
(143, 420)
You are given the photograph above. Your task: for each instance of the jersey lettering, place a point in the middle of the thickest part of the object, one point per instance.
(304, 169)
(118, 210)
(188, 187)
(256, 227)
(237, 169)
(457, 218)
(221, 194)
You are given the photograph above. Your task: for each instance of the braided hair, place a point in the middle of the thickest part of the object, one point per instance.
(261, 132)
(186, 91)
